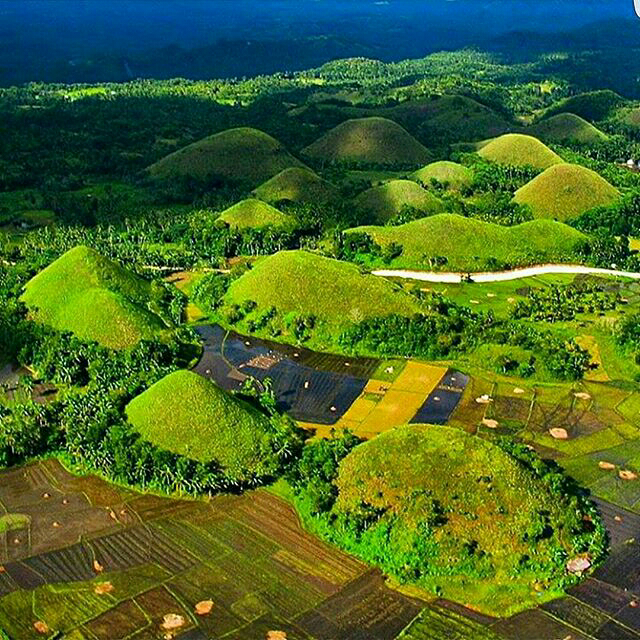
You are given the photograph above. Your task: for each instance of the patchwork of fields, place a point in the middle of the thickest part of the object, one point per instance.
(89, 560)
(323, 391)
(83, 559)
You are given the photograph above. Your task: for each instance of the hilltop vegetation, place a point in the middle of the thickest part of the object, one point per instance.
(293, 286)
(438, 119)
(297, 184)
(454, 514)
(254, 214)
(519, 150)
(370, 141)
(94, 298)
(387, 200)
(189, 415)
(629, 116)
(243, 155)
(567, 127)
(592, 105)
(565, 191)
(454, 242)
(450, 118)
(449, 175)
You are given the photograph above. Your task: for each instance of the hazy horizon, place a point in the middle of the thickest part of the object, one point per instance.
(46, 40)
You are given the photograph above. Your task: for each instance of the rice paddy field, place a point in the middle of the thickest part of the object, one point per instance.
(590, 427)
(325, 391)
(118, 562)
(83, 559)
(91, 560)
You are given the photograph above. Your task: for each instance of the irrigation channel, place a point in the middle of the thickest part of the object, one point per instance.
(502, 276)
(311, 387)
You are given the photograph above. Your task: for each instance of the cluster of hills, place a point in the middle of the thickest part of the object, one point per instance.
(82, 289)
(468, 244)
(253, 158)
(284, 236)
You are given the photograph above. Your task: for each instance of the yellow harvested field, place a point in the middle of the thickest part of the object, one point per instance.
(398, 402)
(395, 409)
(358, 412)
(183, 281)
(418, 377)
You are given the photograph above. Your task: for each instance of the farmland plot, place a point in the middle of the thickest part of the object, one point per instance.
(117, 568)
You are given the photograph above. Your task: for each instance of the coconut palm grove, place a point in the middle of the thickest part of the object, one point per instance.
(319, 320)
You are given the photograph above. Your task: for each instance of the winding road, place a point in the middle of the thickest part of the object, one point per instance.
(502, 276)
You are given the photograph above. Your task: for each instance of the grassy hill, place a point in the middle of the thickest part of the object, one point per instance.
(438, 119)
(386, 200)
(296, 184)
(565, 191)
(468, 489)
(468, 244)
(566, 127)
(519, 150)
(302, 283)
(376, 141)
(252, 213)
(239, 155)
(592, 106)
(449, 119)
(93, 297)
(451, 174)
(629, 116)
(189, 415)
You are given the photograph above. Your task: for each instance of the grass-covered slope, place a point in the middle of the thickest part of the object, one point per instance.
(376, 141)
(255, 214)
(437, 507)
(592, 106)
(565, 127)
(93, 297)
(469, 244)
(386, 200)
(449, 174)
(450, 119)
(336, 293)
(629, 116)
(240, 155)
(565, 191)
(519, 150)
(296, 184)
(187, 414)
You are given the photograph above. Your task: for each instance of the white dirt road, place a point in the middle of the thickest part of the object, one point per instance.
(502, 276)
